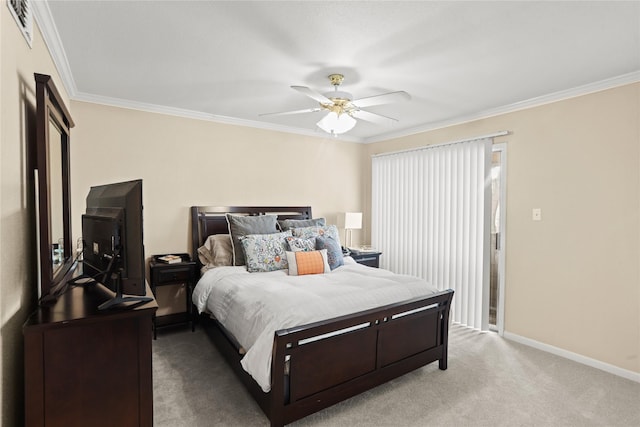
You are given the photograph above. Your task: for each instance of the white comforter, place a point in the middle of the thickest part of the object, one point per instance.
(252, 306)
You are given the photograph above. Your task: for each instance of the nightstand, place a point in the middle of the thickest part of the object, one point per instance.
(172, 285)
(372, 259)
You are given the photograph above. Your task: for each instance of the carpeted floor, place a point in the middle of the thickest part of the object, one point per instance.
(490, 382)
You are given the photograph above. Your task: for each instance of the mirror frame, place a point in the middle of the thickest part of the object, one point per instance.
(49, 107)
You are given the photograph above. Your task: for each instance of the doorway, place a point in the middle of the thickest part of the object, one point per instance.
(497, 263)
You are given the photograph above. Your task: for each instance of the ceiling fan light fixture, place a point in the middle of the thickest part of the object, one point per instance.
(336, 124)
(342, 110)
(339, 95)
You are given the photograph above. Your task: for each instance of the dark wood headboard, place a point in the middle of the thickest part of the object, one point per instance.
(208, 220)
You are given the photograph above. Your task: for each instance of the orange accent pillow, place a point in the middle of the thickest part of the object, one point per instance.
(312, 262)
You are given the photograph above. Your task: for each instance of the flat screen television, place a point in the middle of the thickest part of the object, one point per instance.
(113, 248)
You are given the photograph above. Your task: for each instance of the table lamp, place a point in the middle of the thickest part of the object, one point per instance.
(352, 221)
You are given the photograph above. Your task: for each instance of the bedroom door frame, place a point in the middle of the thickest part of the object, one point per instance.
(502, 149)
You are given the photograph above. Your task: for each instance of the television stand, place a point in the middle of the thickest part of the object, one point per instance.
(120, 300)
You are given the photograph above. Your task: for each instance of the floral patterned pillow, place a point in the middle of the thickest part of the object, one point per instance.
(298, 244)
(325, 231)
(265, 252)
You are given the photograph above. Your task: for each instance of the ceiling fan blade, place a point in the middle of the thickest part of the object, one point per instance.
(385, 98)
(373, 117)
(312, 94)
(284, 113)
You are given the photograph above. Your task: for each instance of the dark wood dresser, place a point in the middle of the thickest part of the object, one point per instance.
(85, 367)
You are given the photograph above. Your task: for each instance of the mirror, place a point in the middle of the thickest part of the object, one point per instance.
(53, 123)
(55, 197)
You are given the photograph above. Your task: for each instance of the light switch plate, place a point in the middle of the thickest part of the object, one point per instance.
(536, 214)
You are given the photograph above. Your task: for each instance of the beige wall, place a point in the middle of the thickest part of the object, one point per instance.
(17, 241)
(185, 162)
(573, 279)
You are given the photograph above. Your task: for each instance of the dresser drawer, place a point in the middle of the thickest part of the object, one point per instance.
(371, 261)
(172, 275)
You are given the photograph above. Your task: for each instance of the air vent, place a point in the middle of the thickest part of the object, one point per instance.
(21, 11)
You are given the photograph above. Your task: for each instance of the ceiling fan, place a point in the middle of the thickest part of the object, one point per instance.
(342, 109)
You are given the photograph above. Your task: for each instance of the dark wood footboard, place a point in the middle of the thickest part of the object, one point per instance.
(331, 361)
(317, 365)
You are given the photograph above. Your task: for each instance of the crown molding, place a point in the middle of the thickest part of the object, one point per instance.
(51, 37)
(44, 19)
(533, 102)
(598, 86)
(198, 115)
(49, 31)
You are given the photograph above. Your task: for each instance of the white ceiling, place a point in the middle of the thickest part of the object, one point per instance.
(231, 60)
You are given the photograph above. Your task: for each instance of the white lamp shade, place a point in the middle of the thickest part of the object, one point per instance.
(353, 220)
(335, 124)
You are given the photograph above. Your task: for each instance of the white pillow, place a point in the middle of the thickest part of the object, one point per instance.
(216, 251)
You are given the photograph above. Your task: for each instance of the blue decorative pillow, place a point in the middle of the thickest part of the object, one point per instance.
(298, 244)
(265, 252)
(334, 251)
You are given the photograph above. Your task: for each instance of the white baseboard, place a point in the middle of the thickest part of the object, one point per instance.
(624, 373)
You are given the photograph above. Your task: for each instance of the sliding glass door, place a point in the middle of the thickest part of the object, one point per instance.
(497, 270)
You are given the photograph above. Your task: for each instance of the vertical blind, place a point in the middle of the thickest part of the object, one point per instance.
(431, 216)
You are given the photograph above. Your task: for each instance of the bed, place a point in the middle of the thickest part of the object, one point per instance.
(317, 364)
